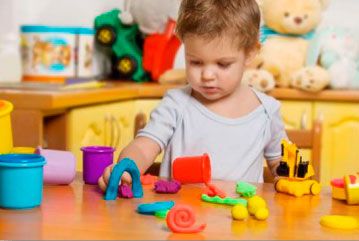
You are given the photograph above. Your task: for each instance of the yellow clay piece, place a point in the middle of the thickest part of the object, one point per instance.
(262, 214)
(339, 222)
(255, 203)
(239, 212)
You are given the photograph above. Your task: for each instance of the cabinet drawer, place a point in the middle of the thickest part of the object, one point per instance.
(297, 114)
(107, 124)
(340, 139)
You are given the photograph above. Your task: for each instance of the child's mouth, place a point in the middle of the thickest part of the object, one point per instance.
(210, 90)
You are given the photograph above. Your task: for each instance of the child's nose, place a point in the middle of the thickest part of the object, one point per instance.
(207, 74)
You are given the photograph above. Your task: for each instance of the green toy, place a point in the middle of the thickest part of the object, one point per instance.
(226, 200)
(123, 41)
(245, 189)
(162, 213)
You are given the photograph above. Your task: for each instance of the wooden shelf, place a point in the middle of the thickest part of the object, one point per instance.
(115, 91)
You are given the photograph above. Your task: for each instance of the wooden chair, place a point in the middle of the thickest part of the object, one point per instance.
(304, 139)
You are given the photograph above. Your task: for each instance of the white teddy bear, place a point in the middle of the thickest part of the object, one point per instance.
(338, 52)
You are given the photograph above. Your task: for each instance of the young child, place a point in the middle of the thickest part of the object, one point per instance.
(237, 126)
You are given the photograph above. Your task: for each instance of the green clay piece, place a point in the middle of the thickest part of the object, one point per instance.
(226, 200)
(245, 189)
(162, 213)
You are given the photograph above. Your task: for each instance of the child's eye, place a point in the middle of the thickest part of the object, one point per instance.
(195, 62)
(223, 65)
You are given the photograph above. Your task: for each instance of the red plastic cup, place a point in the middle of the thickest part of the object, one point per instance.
(192, 169)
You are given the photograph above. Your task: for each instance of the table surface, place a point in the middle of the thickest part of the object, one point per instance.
(78, 211)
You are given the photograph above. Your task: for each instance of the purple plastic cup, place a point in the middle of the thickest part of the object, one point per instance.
(95, 160)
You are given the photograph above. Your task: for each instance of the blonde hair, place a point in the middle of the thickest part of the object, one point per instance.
(213, 18)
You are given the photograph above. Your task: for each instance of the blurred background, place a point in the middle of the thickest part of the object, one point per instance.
(81, 13)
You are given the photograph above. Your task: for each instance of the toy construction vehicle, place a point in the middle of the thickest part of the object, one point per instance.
(294, 173)
(134, 57)
(123, 41)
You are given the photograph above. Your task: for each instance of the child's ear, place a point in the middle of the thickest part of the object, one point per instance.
(252, 53)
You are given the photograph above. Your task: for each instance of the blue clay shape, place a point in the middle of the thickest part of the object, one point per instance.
(152, 208)
(129, 166)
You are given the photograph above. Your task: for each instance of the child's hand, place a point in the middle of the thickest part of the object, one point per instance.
(103, 180)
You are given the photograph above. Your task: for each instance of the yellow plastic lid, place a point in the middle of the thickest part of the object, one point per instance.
(5, 107)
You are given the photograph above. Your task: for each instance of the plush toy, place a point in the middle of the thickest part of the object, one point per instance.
(288, 28)
(259, 79)
(151, 15)
(337, 50)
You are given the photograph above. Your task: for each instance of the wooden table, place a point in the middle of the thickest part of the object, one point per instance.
(78, 211)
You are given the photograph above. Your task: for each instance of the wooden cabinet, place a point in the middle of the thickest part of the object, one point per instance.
(297, 114)
(143, 109)
(106, 124)
(340, 139)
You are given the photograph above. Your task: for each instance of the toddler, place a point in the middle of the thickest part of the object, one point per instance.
(236, 125)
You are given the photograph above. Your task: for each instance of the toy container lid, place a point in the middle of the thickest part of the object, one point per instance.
(22, 160)
(56, 29)
(97, 149)
(5, 107)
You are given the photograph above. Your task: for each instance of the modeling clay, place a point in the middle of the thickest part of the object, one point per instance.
(151, 208)
(212, 191)
(162, 213)
(239, 212)
(148, 179)
(163, 186)
(339, 222)
(226, 200)
(129, 166)
(125, 191)
(181, 218)
(245, 189)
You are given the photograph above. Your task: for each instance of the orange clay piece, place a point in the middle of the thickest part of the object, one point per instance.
(212, 191)
(181, 218)
(148, 179)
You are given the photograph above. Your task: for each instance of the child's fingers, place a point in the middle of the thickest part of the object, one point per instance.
(102, 184)
(107, 173)
(126, 178)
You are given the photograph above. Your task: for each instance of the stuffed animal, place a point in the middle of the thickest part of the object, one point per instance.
(337, 50)
(260, 79)
(288, 26)
(151, 15)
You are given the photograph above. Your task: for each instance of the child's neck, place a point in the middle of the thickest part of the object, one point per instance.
(235, 105)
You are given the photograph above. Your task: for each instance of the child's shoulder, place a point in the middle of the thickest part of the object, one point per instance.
(178, 96)
(269, 103)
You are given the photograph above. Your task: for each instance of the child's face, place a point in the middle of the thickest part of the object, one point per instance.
(214, 67)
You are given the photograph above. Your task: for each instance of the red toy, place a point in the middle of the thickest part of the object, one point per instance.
(181, 218)
(148, 179)
(193, 169)
(159, 51)
(212, 191)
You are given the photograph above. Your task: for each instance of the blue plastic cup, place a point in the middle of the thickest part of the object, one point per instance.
(21, 180)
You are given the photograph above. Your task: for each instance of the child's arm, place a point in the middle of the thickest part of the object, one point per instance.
(142, 150)
(273, 164)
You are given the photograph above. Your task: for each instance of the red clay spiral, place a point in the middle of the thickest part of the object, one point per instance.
(181, 218)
